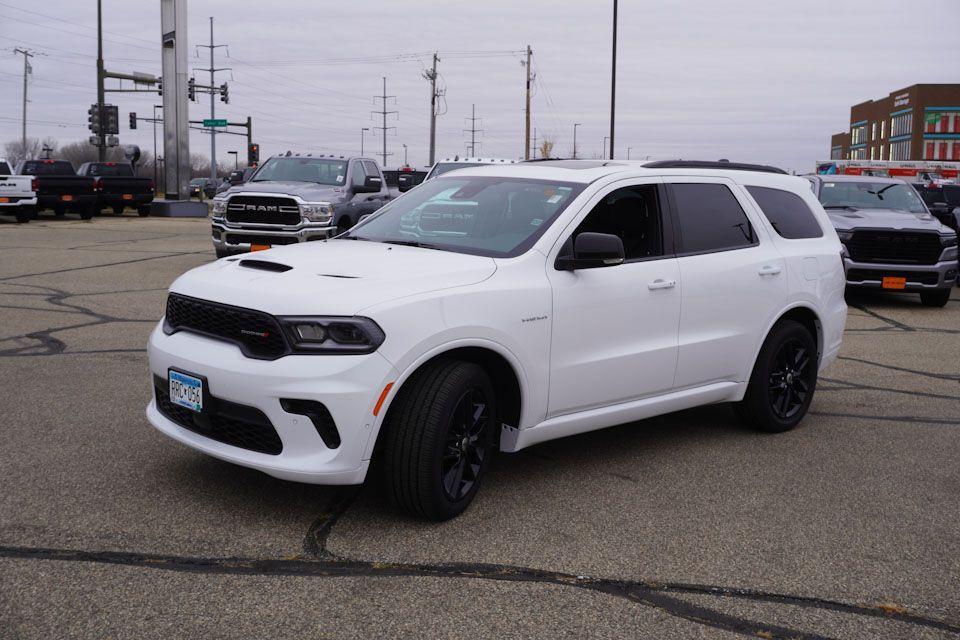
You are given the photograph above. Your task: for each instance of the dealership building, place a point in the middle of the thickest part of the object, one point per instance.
(920, 122)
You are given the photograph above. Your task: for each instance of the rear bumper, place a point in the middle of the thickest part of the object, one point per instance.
(81, 200)
(17, 202)
(113, 199)
(870, 275)
(238, 238)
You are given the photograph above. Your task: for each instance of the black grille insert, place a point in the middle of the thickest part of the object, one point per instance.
(245, 238)
(894, 247)
(257, 334)
(263, 210)
(913, 277)
(320, 417)
(228, 422)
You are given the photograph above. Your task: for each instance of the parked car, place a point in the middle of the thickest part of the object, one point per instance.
(449, 164)
(204, 187)
(59, 187)
(404, 178)
(119, 187)
(551, 299)
(18, 196)
(890, 240)
(296, 198)
(236, 177)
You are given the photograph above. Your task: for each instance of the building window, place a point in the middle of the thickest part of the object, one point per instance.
(901, 125)
(858, 134)
(873, 131)
(836, 153)
(900, 150)
(858, 154)
(939, 122)
(883, 129)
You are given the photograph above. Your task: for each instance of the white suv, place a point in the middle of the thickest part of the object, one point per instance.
(499, 307)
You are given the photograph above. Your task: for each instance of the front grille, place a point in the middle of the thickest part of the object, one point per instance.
(895, 247)
(257, 334)
(263, 210)
(913, 277)
(244, 238)
(228, 422)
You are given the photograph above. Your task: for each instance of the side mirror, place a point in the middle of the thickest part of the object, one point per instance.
(592, 250)
(371, 184)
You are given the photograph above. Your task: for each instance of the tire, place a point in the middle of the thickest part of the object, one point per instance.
(59, 211)
(87, 213)
(143, 211)
(25, 215)
(118, 210)
(343, 225)
(438, 439)
(938, 298)
(783, 380)
(222, 253)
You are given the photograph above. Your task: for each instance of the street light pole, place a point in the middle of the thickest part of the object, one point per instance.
(577, 124)
(156, 181)
(404, 155)
(362, 131)
(613, 78)
(604, 154)
(101, 140)
(628, 152)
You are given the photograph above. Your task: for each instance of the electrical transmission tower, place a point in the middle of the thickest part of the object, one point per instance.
(214, 91)
(384, 113)
(473, 131)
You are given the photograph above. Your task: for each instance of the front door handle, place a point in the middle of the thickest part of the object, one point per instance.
(660, 283)
(769, 270)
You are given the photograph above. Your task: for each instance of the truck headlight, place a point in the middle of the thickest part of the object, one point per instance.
(319, 212)
(219, 206)
(948, 241)
(845, 236)
(334, 334)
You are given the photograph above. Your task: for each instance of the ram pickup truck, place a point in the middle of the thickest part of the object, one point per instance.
(17, 196)
(891, 242)
(59, 187)
(119, 187)
(296, 198)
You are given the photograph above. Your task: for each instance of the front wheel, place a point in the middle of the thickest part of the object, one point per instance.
(439, 437)
(783, 380)
(938, 298)
(343, 225)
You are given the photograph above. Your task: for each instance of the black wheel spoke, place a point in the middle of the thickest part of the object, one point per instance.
(466, 445)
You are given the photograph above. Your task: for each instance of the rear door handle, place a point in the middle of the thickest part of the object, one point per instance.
(660, 283)
(769, 270)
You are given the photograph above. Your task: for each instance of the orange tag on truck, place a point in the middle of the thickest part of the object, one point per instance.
(128, 196)
(4, 199)
(894, 283)
(66, 198)
(259, 247)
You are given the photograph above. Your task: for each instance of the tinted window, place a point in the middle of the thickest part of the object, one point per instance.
(48, 168)
(710, 218)
(787, 212)
(370, 168)
(633, 215)
(110, 169)
(359, 175)
(5, 169)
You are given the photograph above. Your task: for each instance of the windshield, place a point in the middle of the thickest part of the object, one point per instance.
(111, 170)
(48, 168)
(871, 195)
(487, 216)
(196, 182)
(442, 167)
(332, 172)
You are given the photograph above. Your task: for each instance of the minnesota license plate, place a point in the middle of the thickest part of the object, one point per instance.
(894, 283)
(186, 391)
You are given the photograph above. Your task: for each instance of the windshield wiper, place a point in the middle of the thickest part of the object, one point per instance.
(840, 206)
(414, 243)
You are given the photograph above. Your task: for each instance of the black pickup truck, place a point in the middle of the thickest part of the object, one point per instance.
(119, 187)
(60, 188)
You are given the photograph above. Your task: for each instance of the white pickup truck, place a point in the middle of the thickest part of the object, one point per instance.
(18, 196)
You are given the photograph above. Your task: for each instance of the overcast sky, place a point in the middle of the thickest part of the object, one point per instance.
(751, 80)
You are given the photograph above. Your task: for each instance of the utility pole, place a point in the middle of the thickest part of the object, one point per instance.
(362, 131)
(383, 112)
(604, 154)
(431, 75)
(613, 78)
(534, 142)
(101, 137)
(26, 71)
(156, 162)
(577, 124)
(628, 152)
(213, 101)
(473, 129)
(526, 137)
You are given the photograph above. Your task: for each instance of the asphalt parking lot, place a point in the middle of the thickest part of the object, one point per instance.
(683, 526)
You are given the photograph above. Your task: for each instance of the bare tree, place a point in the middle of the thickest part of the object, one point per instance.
(546, 148)
(15, 152)
(82, 151)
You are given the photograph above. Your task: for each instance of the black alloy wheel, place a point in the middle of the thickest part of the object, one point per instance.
(466, 446)
(789, 382)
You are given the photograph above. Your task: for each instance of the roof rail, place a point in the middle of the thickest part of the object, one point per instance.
(711, 164)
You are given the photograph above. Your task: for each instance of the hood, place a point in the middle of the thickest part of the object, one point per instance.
(336, 277)
(309, 191)
(847, 219)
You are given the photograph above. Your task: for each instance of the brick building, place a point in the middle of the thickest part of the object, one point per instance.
(920, 122)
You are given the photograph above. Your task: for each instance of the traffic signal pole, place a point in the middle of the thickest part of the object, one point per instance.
(101, 139)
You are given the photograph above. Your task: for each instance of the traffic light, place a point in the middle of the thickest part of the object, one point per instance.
(253, 154)
(110, 119)
(224, 96)
(192, 89)
(133, 120)
(93, 119)
(159, 86)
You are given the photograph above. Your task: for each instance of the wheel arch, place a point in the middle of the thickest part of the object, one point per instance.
(806, 316)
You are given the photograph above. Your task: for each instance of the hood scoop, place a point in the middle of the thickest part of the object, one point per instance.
(265, 265)
(337, 275)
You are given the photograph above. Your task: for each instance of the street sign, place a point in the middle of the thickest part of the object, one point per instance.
(214, 123)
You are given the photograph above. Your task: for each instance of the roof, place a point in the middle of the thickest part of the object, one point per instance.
(479, 160)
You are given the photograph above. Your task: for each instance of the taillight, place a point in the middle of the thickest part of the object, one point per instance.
(97, 184)
(153, 185)
(35, 185)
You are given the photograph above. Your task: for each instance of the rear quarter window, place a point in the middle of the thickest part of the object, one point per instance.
(787, 212)
(710, 218)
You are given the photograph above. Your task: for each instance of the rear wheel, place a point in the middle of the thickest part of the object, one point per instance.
(938, 298)
(87, 213)
(143, 211)
(439, 437)
(59, 211)
(783, 380)
(25, 214)
(118, 210)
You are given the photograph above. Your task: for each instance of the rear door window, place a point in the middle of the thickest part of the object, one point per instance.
(787, 212)
(710, 218)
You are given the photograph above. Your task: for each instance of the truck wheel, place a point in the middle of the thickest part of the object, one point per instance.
(222, 253)
(24, 215)
(59, 211)
(938, 298)
(143, 211)
(87, 213)
(783, 380)
(343, 225)
(439, 437)
(118, 210)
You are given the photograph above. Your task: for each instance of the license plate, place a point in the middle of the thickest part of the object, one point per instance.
(186, 391)
(894, 283)
(66, 198)
(259, 247)
(128, 196)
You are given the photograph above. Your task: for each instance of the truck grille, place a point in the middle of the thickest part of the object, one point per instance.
(246, 238)
(263, 210)
(894, 247)
(257, 334)
(224, 421)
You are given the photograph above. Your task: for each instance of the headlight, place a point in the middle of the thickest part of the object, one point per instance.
(219, 206)
(845, 235)
(320, 212)
(948, 241)
(332, 334)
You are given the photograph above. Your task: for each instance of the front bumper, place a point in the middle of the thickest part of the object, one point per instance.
(348, 386)
(919, 277)
(238, 237)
